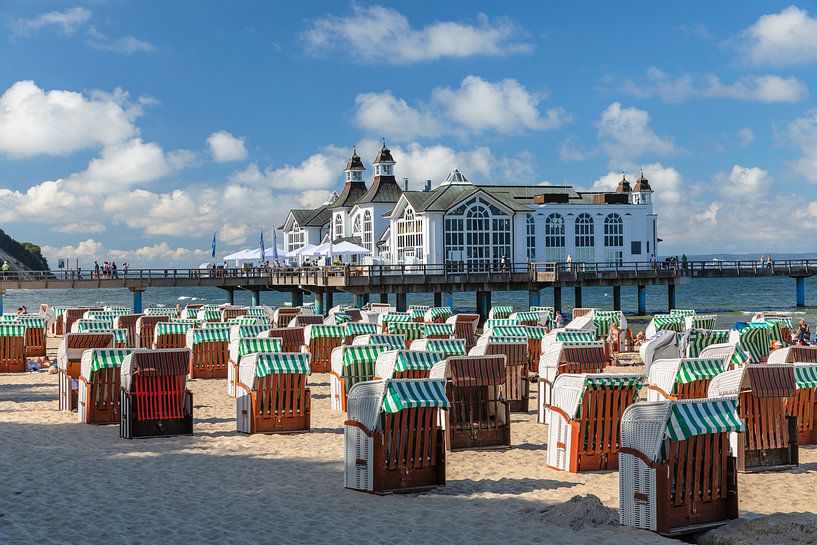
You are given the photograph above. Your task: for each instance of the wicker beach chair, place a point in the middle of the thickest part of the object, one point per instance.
(392, 436)
(664, 345)
(676, 467)
(418, 312)
(497, 322)
(465, 327)
(564, 335)
(71, 315)
(56, 328)
(733, 355)
(154, 399)
(770, 439)
(803, 405)
(98, 396)
(449, 347)
(665, 322)
(292, 338)
(794, 354)
(85, 325)
(478, 417)
(438, 331)
(437, 315)
(410, 331)
(354, 329)
(386, 319)
(526, 318)
(320, 341)
(272, 394)
(394, 341)
(350, 365)
(69, 357)
(282, 316)
(585, 418)
(696, 339)
(500, 312)
(228, 313)
(405, 364)
(243, 346)
(566, 357)
(700, 321)
(206, 314)
(35, 335)
(128, 321)
(243, 331)
(145, 326)
(12, 347)
(683, 378)
(171, 334)
(578, 312)
(517, 386)
(209, 350)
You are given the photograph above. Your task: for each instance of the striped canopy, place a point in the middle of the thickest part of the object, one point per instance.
(628, 384)
(32, 322)
(160, 311)
(755, 340)
(342, 318)
(118, 310)
(602, 326)
(251, 330)
(12, 330)
(691, 370)
(805, 376)
(210, 335)
(785, 321)
(698, 339)
(667, 322)
(416, 313)
(419, 307)
(366, 353)
(699, 417)
(508, 331)
(171, 328)
(256, 311)
(410, 360)
(102, 358)
(216, 325)
(324, 331)
(190, 313)
(254, 345)
(120, 335)
(392, 317)
(360, 328)
(772, 380)
(394, 341)
(210, 307)
(410, 330)
(291, 363)
(498, 313)
(477, 370)
(59, 311)
(185, 321)
(589, 353)
(208, 314)
(242, 320)
(449, 347)
(9, 317)
(493, 339)
(526, 317)
(681, 312)
(574, 336)
(100, 315)
(803, 354)
(84, 325)
(740, 357)
(548, 310)
(495, 322)
(408, 394)
(615, 315)
(440, 312)
(438, 329)
(703, 321)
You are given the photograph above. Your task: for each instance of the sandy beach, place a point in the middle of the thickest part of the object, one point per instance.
(65, 482)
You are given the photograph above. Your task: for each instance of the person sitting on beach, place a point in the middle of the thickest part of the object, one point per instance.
(558, 321)
(803, 333)
(640, 339)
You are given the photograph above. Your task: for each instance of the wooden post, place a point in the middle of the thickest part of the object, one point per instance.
(361, 299)
(137, 300)
(384, 298)
(642, 300)
(329, 300)
(438, 299)
(534, 298)
(256, 298)
(670, 297)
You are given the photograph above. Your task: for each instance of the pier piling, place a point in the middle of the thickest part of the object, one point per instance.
(320, 309)
(256, 298)
(670, 297)
(616, 297)
(384, 298)
(642, 300)
(534, 298)
(577, 296)
(557, 299)
(800, 284)
(438, 298)
(401, 302)
(483, 305)
(137, 300)
(297, 298)
(330, 301)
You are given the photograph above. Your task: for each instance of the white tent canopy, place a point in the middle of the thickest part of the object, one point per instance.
(251, 254)
(303, 250)
(239, 255)
(339, 249)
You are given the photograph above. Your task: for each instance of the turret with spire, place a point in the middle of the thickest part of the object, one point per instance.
(623, 185)
(355, 168)
(642, 192)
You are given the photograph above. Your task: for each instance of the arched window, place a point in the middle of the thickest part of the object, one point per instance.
(477, 233)
(296, 237)
(555, 238)
(409, 237)
(585, 239)
(339, 226)
(531, 237)
(368, 231)
(614, 238)
(356, 225)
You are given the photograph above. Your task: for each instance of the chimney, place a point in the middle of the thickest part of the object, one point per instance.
(428, 186)
(405, 184)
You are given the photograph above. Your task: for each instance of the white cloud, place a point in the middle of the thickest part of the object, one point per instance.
(125, 44)
(766, 88)
(477, 106)
(80, 227)
(66, 22)
(38, 122)
(380, 35)
(745, 183)
(88, 248)
(746, 137)
(571, 150)
(802, 132)
(780, 39)
(666, 181)
(320, 170)
(625, 135)
(226, 148)
(161, 253)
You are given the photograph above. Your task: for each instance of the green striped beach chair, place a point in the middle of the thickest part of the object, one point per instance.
(701, 321)
(209, 350)
(145, 326)
(246, 330)
(105, 315)
(208, 315)
(392, 437)
(683, 378)
(585, 420)
(500, 312)
(215, 325)
(12, 347)
(438, 315)
(662, 444)
(171, 334)
(161, 311)
(394, 341)
(386, 319)
(320, 341)
(438, 331)
(244, 346)
(272, 393)
(449, 347)
(350, 365)
(695, 340)
(406, 364)
(118, 310)
(69, 356)
(755, 340)
(526, 318)
(665, 322)
(682, 312)
(353, 329)
(411, 331)
(494, 322)
(535, 336)
(91, 326)
(35, 339)
(98, 395)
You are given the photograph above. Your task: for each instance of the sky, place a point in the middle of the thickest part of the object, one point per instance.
(134, 131)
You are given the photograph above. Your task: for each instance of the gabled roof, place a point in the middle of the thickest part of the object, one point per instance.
(385, 189)
(299, 215)
(352, 192)
(320, 217)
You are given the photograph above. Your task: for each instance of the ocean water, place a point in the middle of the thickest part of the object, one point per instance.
(733, 299)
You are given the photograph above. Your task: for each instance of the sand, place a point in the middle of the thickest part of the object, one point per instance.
(64, 482)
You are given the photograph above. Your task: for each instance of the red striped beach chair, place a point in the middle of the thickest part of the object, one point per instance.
(244, 346)
(128, 321)
(229, 313)
(145, 326)
(209, 351)
(272, 393)
(585, 418)
(566, 357)
(770, 439)
(291, 337)
(465, 327)
(12, 347)
(154, 399)
(99, 382)
(320, 341)
(303, 320)
(517, 387)
(683, 378)
(677, 471)
(282, 316)
(478, 416)
(69, 358)
(71, 315)
(392, 435)
(794, 354)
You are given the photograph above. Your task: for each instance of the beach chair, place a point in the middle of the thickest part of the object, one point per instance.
(465, 327)
(170, 335)
(228, 313)
(191, 311)
(755, 339)
(120, 338)
(438, 331)
(394, 341)
(209, 350)
(448, 347)
(385, 320)
(733, 355)
(578, 312)
(292, 338)
(696, 339)
(272, 394)
(410, 331)
(418, 312)
(282, 316)
(665, 322)
(98, 395)
(500, 312)
(354, 329)
(700, 321)
(478, 416)
(154, 399)
(209, 315)
(564, 335)
(350, 365)
(664, 345)
(406, 364)
(803, 405)
(567, 357)
(497, 322)
(12, 347)
(246, 331)
(683, 378)
(770, 439)
(585, 417)
(84, 325)
(320, 341)
(57, 326)
(303, 320)
(243, 346)
(676, 467)
(170, 312)
(517, 388)
(71, 315)
(69, 357)
(145, 326)
(526, 318)
(437, 315)
(35, 335)
(534, 336)
(128, 321)
(392, 436)
(793, 354)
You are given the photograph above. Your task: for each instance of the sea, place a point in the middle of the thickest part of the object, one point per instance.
(732, 299)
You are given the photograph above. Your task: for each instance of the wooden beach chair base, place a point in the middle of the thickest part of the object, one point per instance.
(281, 404)
(473, 420)
(68, 394)
(209, 360)
(13, 355)
(770, 440)
(177, 421)
(804, 407)
(99, 400)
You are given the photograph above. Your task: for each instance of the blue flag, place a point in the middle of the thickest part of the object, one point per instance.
(213, 249)
(275, 245)
(263, 256)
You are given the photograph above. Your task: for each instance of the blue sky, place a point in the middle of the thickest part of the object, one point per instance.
(134, 130)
